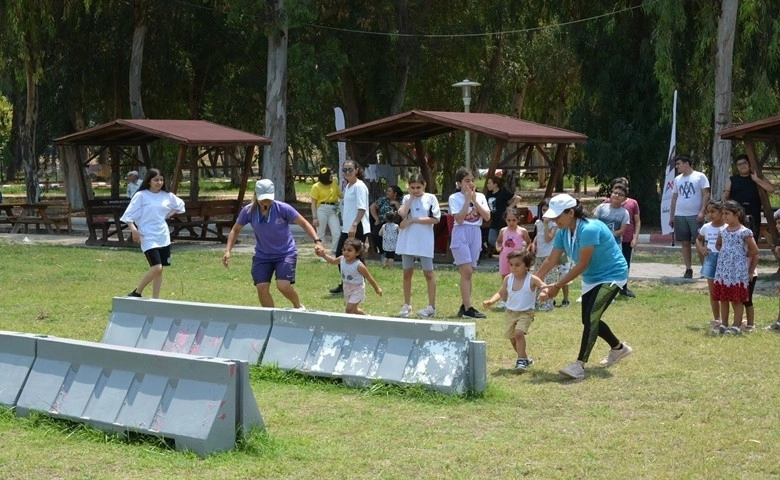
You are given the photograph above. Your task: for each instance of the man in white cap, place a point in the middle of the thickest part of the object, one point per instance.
(133, 183)
(275, 248)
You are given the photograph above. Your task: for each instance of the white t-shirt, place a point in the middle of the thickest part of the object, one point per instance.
(355, 198)
(543, 247)
(149, 211)
(710, 234)
(473, 217)
(417, 239)
(690, 193)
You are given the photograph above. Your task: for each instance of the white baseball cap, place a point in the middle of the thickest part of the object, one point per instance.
(132, 172)
(558, 204)
(264, 189)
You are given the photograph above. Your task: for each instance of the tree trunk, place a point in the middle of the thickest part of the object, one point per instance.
(27, 140)
(275, 155)
(137, 58)
(721, 149)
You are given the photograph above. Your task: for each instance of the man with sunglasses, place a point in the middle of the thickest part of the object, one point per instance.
(354, 210)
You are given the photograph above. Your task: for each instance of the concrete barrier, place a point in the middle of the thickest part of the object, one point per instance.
(225, 331)
(200, 403)
(361, 349)
(17, 354)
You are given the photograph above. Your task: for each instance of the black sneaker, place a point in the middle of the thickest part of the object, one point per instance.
(473, 313)
(337, 289)
(688, 273)
(133, 294)
(461, 311)
(523, 363)
(628, 293)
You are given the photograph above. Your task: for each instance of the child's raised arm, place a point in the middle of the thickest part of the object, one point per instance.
(329, 258)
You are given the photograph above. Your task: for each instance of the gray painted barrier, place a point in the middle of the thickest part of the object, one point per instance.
(225, 331)
(200, 403)
(17, 354)
(358, 349)
(361, 349)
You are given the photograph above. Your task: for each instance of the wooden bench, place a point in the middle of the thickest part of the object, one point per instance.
(103, 216)
(53, 216)
(7, 214)
(205, 220)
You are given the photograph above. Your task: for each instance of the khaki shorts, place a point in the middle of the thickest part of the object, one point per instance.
(518, 321)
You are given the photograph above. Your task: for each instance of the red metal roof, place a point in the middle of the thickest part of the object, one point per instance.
(421, 124)
(145, 131)
(767, 129)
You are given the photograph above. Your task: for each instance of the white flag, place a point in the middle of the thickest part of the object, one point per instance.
(671, 172)
(342, 147)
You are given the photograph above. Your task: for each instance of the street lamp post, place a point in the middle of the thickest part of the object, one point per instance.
(466, 85)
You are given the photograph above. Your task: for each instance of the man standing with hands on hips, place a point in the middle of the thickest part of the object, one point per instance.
(689, 204)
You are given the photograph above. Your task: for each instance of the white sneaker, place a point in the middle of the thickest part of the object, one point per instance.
(573, 370)
(501, 305)
(615, 355)
(405, 311)
(426, 312)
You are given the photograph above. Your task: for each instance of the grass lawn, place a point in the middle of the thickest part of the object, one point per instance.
(685, 405)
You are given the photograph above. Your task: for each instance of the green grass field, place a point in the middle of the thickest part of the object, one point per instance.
(685, 405)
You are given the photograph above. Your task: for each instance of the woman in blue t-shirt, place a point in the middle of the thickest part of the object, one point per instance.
(594, 253)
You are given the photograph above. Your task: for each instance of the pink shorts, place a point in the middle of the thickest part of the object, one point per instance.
(354, 293)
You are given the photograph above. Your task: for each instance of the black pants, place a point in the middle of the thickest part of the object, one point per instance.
(594, 303)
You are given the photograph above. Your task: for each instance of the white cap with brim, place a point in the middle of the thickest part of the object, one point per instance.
(558, 204)
(131, 173)
(264, 189)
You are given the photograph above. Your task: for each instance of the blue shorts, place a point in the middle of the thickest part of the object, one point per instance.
(284, 267)
(708, 267)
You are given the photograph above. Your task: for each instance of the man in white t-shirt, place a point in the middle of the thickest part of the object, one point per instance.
(689, 205)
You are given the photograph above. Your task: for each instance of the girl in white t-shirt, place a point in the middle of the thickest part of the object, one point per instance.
(468, 208)
(419, 213)
(146, 217)
(705, 244)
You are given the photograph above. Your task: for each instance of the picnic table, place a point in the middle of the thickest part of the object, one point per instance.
(52, 216)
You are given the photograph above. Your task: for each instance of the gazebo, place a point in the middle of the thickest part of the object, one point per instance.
(205, 219)
(767, 131)
(417, 125)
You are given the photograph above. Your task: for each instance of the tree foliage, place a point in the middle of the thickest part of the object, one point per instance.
(607, 69)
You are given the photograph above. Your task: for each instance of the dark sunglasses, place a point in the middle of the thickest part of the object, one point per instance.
(347, 170)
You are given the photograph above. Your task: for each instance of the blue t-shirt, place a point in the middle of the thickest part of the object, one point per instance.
(273, 236)
(607, 263)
